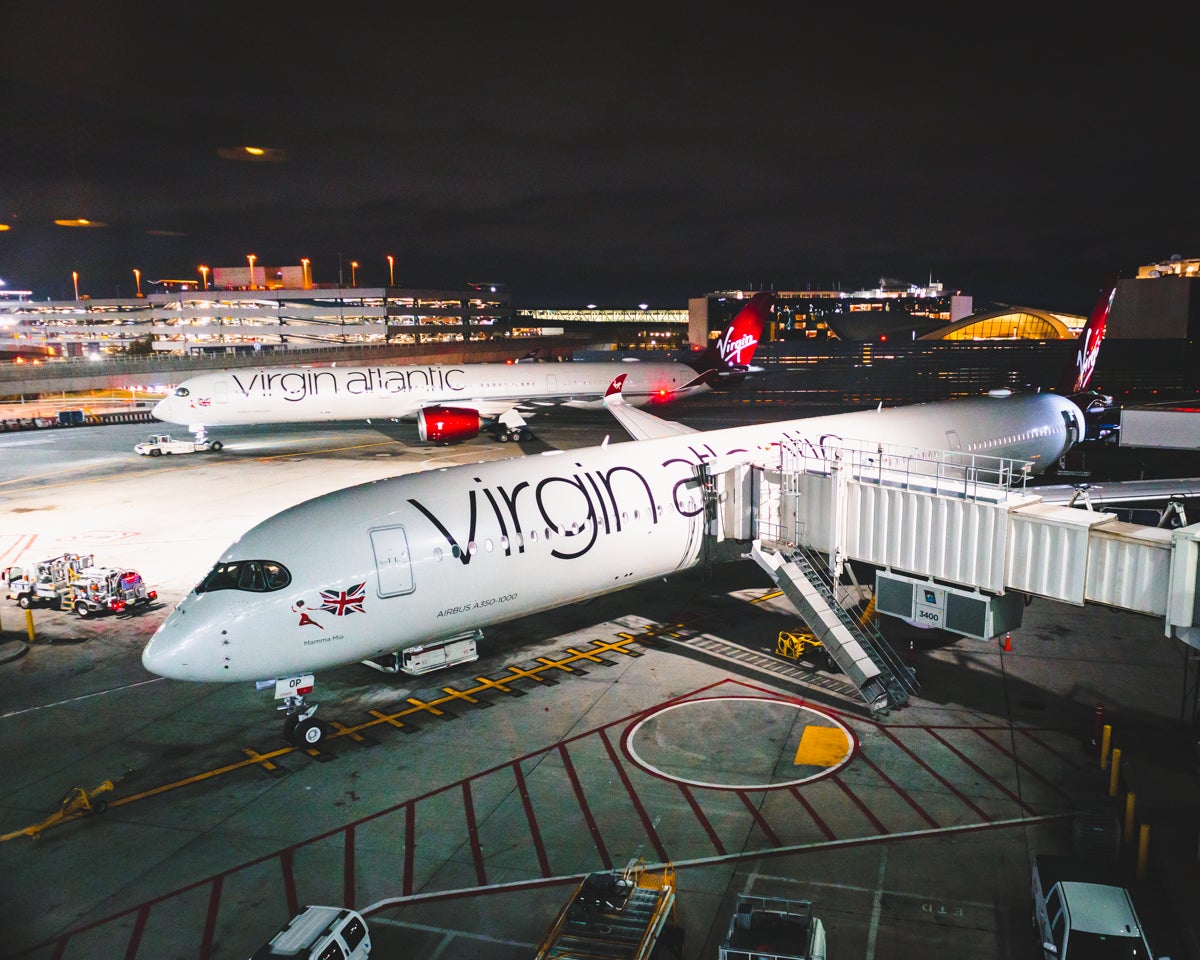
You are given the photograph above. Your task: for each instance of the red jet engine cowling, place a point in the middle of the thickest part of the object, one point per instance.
(448, 424)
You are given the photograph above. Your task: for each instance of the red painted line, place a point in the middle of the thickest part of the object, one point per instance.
(1024, 766)
(937, 776)
(348, 882)
(816, 817)
(410, 847)
(758, 818)
(135, 935)
(530, 817)
(704, 821)
(473, 834)
(210, 922)
(601, 849)
(857, 801)
(917, 808)
(287, 861)
(978, 769)
(647, 822)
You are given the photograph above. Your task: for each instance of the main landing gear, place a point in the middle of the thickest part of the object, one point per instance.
(510, 427)
(505, 435)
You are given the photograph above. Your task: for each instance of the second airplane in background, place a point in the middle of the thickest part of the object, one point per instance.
(453, 403)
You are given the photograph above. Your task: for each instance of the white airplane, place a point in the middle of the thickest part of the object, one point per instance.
(363, 573)
(454, 403)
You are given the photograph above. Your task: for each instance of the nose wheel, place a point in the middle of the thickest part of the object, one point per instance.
(300, 727)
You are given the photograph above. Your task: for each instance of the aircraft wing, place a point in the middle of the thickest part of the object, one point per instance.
(639, 424)
(1118, 492)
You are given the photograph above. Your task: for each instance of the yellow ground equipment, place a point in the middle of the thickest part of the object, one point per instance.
(77, 803)
(802, 646)
(617, 915)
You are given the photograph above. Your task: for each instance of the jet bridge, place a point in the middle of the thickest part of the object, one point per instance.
(959, 542)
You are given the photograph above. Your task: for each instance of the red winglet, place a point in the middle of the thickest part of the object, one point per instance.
(616, 385)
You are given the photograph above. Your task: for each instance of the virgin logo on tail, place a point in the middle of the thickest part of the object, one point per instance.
(1079, 374)
(731, 350)
(737, 345)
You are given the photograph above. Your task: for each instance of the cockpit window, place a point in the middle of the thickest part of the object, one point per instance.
(182, 392)
(254, 576)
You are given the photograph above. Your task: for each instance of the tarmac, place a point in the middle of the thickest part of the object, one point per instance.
(457, 810)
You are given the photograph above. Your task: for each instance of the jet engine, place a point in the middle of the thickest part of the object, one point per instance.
(448, 424)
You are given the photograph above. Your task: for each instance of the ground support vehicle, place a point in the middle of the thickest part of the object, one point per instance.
(77, 803)
(1081, 911)
(320, 933)
(160, 444)
(107, 590)
(617, 914)
(772, 928)
(47, 582)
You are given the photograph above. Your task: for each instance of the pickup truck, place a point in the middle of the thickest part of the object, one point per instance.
(1081, 911)
(159, 444)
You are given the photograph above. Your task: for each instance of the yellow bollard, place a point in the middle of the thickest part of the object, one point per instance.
(1130, 801)
(1143, 850)
(1116, 772)
(1105, 740)
(29, 623)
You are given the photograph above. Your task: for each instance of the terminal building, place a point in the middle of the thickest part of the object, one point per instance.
(894, 343)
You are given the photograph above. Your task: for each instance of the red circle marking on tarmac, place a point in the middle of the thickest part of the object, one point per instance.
(740, 743)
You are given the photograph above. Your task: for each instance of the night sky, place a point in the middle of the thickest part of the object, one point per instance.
(640, 155)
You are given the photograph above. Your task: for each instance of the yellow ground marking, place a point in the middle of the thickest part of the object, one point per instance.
(458, 695)
(259, 758)
(265, 760)
(822, 747)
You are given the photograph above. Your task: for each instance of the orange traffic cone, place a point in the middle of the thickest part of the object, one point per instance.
(1008, 643)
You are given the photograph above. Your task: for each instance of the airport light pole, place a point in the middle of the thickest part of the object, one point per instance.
(251, 258)
(391, 270)
(304, 281)
(75, 280)
(137, 279)
(204, 275)
(354, 273)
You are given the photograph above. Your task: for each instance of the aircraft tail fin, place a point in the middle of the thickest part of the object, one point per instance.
(726, 361)
(1078, 373)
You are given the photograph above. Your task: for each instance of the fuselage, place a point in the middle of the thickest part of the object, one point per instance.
(387, 565)
(312, 394)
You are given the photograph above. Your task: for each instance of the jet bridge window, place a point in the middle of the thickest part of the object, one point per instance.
(253, 576)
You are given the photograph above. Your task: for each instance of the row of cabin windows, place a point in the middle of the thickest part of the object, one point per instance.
(1015, 438)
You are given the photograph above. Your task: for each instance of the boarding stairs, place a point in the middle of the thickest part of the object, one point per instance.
(852, 642)
(614, 916)
(745, 503)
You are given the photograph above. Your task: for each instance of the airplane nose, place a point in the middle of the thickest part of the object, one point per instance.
(161, 655)
(177, 649)
(162, 409)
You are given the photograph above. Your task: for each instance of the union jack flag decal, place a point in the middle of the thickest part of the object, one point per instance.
(343, 602)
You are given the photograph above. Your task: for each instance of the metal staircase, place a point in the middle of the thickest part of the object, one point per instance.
(854, 644)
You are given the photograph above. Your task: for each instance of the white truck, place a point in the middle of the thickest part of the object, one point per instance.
(160, 444)
(46, 582)
(320, 933)
(108, 590)
(74, 582)
(1081, 911)
(773, 928)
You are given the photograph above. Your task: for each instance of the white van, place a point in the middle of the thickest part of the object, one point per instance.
(320, 933)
